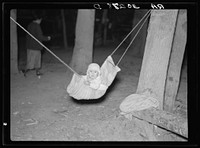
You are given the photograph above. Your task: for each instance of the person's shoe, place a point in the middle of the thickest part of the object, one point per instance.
(38, 73)
(25, 72)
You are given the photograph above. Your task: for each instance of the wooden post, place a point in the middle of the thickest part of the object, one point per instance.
(157, 51)
(64, 29)
(13, 43)
(176, 58)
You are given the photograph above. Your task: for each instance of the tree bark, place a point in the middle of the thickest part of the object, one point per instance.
(13, 43)
(83, 50)
(64, 29)
(157, 51)
(176, 59)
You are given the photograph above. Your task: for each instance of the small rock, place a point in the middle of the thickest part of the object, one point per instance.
(36, 122)
(29, 103)
(15, 113)
(55, 110)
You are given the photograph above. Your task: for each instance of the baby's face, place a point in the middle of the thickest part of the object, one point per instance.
(93, 74)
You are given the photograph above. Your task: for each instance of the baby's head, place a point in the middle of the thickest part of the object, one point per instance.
(93, 71)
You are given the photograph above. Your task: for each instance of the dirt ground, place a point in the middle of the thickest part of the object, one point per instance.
(41, 109)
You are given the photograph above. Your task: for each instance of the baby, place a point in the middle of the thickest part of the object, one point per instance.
(93, 77)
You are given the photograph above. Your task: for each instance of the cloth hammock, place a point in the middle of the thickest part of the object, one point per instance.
(79, 90)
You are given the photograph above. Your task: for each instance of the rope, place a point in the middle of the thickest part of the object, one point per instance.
(110, 54)
(45, 47)
(129, 34)
(132, 40)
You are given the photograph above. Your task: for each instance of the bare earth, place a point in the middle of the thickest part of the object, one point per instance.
(41, 109)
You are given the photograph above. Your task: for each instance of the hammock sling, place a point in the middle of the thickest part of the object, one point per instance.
(77, 88)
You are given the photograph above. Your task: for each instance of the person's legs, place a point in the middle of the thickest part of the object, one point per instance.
(33, 61)
(29, 61)
(38, 62)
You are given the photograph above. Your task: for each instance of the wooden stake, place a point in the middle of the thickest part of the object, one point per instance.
(175, 63)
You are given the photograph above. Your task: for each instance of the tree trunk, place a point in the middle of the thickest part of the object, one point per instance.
(98, 34)
(13, 43)
(83, 50)
(157, 51)
(139, 43)
(104, 22)
(64, 29)
(176, 58)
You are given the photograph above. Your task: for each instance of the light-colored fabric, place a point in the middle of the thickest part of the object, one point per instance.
(79, 89)
(95, 84)
(33, 59)
(108, 71)
(138, 102)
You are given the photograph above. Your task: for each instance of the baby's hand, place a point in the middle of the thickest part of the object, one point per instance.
(95, 84)
(87, 82)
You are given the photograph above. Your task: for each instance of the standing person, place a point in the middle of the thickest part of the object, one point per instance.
(33, 47)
